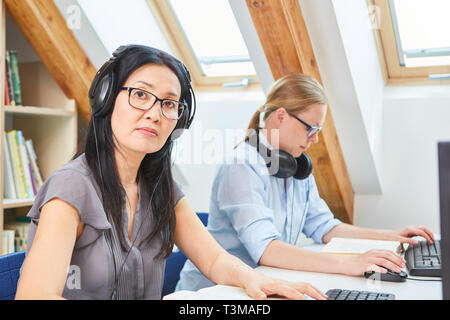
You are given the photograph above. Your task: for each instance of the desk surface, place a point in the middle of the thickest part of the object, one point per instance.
(408, 290)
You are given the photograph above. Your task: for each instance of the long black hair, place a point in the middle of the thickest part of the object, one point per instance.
(154, 174)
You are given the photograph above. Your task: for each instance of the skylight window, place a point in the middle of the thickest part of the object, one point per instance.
(202, 33)
(422, 31)
(413, 39)
(214, 37)
(119, 22)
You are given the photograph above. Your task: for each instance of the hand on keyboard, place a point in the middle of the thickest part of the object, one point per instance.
(405, 235)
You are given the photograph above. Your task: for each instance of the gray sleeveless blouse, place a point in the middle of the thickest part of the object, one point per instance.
(91, 271)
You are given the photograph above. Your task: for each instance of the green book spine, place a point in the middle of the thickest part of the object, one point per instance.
(7, 99)
(15, 77)
(12, 101)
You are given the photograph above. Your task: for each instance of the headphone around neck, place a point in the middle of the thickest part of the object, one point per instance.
(288, 166)
(101, 92)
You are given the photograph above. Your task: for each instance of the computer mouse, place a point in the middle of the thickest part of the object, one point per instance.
(389, 276)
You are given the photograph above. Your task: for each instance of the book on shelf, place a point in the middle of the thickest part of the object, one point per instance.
(10, 185)
(20, 229)
(359, 246)
(4, 243)
(15, 77)
(33, 179)
(34, 167)
(15, 237)
(8, 241)
(7, 97)
(13, 166)
(22, 173)
(12, 100)
(25, 163)
(16, 158)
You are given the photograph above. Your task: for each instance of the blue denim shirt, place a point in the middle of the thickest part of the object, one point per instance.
(250, 208)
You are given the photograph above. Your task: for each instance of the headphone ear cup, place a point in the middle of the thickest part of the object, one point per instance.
(176, 133)
(102, 94)
(187, 112)
(287, 164)
(304, 167)
(181, 126)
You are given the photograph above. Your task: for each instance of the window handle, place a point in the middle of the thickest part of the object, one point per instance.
(244, 82)
(442, 76)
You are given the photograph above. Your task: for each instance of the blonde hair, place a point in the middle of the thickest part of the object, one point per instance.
(294, 92)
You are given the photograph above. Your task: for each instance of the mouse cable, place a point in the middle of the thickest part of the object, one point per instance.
(417, 279)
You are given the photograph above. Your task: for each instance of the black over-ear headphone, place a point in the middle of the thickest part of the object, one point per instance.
(288, 166)
(102, 88)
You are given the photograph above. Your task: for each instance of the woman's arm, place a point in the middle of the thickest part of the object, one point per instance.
(283, 255)
(345, 230)
(45, 268)
(223, 268)
(280, 254)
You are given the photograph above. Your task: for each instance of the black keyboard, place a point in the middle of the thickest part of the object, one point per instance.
(424, 259)
(339, 294)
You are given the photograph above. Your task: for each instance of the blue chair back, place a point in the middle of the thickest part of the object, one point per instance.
(175, 263)
(10, 265)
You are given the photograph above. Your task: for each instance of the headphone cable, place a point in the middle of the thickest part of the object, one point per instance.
(108, 235)
(114, 291)
(304, 212)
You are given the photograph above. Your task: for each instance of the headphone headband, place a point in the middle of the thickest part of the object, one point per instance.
(101, 90)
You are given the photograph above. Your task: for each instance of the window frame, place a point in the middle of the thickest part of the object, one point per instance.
(181, 48)
(387, 47)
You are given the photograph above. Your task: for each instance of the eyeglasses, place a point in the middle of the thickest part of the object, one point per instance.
(312, 130)
(145, 100)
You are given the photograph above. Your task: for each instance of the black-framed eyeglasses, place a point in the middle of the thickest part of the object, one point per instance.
(312, 130)
(145, 100)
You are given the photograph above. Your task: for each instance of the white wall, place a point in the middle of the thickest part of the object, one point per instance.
(79, 24)
(220, 123)
(16, 41)
(254, 47)
(343, 43)
(414, 120)
(356, 26)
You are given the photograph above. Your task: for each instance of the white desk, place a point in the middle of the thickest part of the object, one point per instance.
(408, 290)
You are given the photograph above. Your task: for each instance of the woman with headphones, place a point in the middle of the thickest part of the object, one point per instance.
(264, 195)
(104, 223)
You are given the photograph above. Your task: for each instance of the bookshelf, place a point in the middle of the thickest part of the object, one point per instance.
(46, 116)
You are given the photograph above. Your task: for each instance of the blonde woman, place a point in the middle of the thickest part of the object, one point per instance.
(257, 213)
